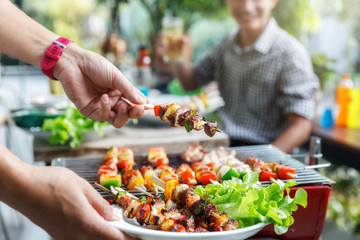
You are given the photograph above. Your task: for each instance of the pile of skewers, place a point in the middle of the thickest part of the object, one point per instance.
(181, 211)
(118, 163)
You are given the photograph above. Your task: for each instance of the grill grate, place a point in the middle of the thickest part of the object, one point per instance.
(87, 166)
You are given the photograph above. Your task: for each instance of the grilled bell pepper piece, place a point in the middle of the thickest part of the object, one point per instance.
(230, 174)
(138, 180)
(108, 180)
(267, 175)
(157, 110)
(170, 187)
(189, 177)
(242, 175)
(286, 173)
(206, 177)
(126, 158)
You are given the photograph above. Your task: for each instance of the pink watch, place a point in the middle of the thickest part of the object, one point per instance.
(52, 55)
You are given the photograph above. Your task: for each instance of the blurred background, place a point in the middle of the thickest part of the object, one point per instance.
(117, 29)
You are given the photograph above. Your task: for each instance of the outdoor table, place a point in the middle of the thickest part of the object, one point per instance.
(341, 145)
(139, 139)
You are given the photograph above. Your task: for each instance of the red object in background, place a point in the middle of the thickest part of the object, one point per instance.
(309, 221)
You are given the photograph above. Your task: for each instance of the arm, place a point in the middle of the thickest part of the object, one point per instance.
(185, 73)
(56, 199)
(296, 134)
(89, 80)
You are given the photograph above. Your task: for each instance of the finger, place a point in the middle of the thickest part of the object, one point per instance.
(129, 91)
(100, 228)
(121, 116)
(136, 96)
(105, 108)
(136, 111)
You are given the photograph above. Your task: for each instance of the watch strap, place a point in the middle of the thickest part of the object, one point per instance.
(52, 55)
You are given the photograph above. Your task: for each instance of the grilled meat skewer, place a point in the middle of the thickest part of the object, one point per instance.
(182, 116)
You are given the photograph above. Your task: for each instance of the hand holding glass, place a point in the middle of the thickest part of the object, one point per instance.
(172, 30)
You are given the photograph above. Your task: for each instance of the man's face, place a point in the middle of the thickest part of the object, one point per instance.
(251, 15)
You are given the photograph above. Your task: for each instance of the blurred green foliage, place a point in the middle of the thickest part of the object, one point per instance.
(322, 67)
(298, 17)
(189, 10)
(344, 203)
(63, 17)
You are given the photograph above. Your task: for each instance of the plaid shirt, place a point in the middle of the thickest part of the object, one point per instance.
(261, 84)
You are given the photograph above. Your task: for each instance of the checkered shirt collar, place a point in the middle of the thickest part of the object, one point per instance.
(264, 42)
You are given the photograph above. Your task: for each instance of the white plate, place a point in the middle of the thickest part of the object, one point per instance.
(131, 227)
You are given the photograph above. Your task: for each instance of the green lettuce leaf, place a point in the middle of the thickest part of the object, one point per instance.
(70, 128)
(249, 204)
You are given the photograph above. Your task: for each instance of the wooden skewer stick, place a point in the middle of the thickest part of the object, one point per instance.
(157, 181)
(102, 188)
(146, 105)
(159, 188)
(214, 214)
(292, 175)
(144, 191)
(126, 193)
(273, 180)
(142, 186)
(155, 189)
(116, 189)
(214, 182)
(113, 191)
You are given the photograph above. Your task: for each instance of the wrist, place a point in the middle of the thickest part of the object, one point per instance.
(70, 57)
(14, 176)
(52, 56)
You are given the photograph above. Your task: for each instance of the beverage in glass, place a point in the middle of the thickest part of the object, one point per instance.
(172, 29)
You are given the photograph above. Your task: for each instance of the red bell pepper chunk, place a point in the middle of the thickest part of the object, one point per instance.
(157, 110)
(206, 177)
(189, 178)
(287, 173)
(125, 164)
(111, 164)
(104, 169)
(267, 175)
(161, 162)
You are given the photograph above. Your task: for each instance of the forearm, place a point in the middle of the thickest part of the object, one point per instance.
(185, 73)
(295, 135)
(14, 177)
(22, 37)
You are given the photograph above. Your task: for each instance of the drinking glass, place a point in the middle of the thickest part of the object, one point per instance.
(173, 30)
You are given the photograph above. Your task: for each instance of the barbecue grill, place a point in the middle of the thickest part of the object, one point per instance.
(309, 221)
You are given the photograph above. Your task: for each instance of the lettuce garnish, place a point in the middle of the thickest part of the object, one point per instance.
(248, 203)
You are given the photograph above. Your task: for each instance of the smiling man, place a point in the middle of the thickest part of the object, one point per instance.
(264, 75)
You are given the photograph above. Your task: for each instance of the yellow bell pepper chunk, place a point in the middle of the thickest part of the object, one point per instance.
(170, 187)
(149, 183)
(138, 181)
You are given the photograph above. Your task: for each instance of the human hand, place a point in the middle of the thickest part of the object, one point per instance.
(66, 206)
(161, 47)
(96, 86)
